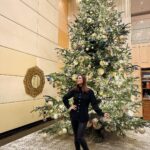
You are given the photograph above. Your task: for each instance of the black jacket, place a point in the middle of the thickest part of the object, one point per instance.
(82, 101)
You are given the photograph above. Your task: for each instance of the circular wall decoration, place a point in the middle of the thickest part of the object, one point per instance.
(34, 81)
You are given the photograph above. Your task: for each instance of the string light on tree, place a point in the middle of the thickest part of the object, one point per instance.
(99, 50)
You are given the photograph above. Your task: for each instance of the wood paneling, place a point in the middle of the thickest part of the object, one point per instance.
(135, 54)
(144, 54)
(25, 41)
(140, 56)
(47, 30)
(48, 66)
(63, 24)
(146, 109)
(48, 11)
(14, 115)
(32, 3)
(14, 62)
(29, 36)
(10, 10)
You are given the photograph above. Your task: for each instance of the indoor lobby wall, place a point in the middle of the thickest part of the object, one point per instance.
(29, 35)
(141, 45)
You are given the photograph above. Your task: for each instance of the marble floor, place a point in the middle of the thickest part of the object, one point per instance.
(36, 141)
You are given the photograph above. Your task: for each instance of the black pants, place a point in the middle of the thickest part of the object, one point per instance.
(79, 129)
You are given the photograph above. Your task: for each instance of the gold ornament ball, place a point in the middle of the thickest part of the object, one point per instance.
(74, 77)
(100, 71)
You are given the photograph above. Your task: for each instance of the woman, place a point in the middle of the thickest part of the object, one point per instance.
(82, 97)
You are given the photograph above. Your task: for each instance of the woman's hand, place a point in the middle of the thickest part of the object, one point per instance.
(74, 107)
(106, 116)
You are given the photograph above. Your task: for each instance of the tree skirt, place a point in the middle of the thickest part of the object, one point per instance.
(36, 141)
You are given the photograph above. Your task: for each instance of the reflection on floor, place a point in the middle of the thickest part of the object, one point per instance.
(23, 131)
(36, 141)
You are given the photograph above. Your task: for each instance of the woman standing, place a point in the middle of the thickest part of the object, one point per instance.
(82, 97)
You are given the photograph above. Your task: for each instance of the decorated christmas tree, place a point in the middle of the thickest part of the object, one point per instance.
(100, 51)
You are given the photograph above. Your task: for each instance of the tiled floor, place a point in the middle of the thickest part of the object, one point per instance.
(35, 141)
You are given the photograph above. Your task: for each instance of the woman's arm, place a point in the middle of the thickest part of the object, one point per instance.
(66, 98)
(95, 104)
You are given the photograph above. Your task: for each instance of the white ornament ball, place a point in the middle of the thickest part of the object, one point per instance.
(51, 111)
(141, 130)
(130, 113)
(44, 135)
(87, 49)
(100, 93)
(83, 33)
(101, 63)
(61, 106)
(94, 35)
(55, 116)
(133, 97)
(132, 127)
(75, 63)
(50, 103)
(74, 45)
(64, 130)
(89, 20)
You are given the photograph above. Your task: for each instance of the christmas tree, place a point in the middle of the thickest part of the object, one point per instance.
(100, 51)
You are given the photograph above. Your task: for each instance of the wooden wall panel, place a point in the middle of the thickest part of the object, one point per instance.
(48, 11)
(32, 3)
(16, 37)
(15, 90)
(140, 56)
(135, 54)
(14, 62)
(48, 66)
(144, 54)
(47, 30)
(10, 10)
(54, 3)
(46, 49)
(15, 115)
(63, 24)
(29, 36)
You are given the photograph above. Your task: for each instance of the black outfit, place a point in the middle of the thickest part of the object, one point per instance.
(80, 117)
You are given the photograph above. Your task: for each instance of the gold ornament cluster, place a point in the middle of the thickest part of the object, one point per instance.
(29, 88)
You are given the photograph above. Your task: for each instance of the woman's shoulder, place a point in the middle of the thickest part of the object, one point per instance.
(72, 89)
(90, 90)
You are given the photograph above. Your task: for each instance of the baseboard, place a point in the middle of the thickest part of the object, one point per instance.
(22, 128)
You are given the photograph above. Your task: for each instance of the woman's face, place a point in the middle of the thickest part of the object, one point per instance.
(79, 80)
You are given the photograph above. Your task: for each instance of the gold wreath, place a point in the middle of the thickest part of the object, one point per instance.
(32, 91)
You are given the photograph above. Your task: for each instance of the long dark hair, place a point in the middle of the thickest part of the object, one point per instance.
(84, 84)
